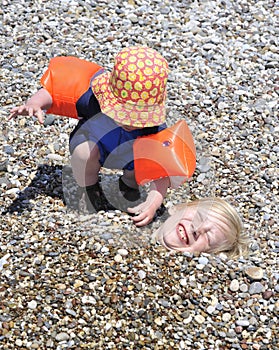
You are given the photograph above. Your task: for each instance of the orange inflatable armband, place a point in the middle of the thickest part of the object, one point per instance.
(66, 79)
(170, 152)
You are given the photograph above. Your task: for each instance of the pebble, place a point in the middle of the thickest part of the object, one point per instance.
(49, 120)
(254, 273)
(32, 305)
(123, 252)
(56, 157)
(18, 342)
(199, 319)
(62, 337)
(242, 323)
(118, 258)
(88, 299)
(267, 294)
(183, 282)
(3, 165)
(142, 274)
(226, 317)
(234, 285)
(243, 288)
(95, 281)
(203, 260)
(4, 260)
(8, 149)
(256, 288)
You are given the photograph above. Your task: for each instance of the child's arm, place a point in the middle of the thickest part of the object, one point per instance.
(146, 210)
(36, 105)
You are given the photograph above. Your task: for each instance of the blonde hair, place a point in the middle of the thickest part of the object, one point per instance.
(237, 241)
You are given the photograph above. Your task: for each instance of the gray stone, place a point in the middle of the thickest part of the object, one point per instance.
(256, 288)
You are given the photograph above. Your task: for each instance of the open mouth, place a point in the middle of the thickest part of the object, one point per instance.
(182, 233)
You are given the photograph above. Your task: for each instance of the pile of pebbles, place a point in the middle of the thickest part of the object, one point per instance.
(70, 280)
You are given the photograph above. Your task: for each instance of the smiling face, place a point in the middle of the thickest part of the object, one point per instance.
(194, 228)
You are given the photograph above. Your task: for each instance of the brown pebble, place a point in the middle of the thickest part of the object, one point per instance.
(267, 294)
(238, 329)
(254, 273)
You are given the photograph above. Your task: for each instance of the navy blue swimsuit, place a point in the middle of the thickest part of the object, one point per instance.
(115, 144)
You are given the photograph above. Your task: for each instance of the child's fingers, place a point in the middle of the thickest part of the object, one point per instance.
(21, 110)
(13, 113)
(30, 111)
(142, 221)
(135, 210)
(138, 216)
(40, 115)
(142, 218)
(37, 112)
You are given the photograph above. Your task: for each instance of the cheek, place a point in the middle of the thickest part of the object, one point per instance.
(201, 245)
(164, 233)
(170, 224)
(169, 236)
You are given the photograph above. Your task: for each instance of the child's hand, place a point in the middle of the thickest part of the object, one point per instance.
(143, 213)
(36, 105)
(28, 110)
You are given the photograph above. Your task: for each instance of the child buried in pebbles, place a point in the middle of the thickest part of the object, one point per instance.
(121, 126)
(207, 225)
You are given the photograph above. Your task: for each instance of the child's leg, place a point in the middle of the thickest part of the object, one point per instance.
(129, 178)
(86, 166)
(85, 163)
(128, 186)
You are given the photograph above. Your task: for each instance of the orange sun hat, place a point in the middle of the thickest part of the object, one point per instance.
(134, 93)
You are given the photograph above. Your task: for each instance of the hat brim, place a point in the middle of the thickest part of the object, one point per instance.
(139, 116)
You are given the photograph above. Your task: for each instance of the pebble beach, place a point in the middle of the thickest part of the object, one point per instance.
(74, 280)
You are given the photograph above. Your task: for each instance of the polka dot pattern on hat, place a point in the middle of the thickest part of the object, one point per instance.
(134, 93)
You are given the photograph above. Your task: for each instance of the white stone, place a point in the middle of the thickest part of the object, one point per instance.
(234, 285)
(142, 274)
(88, 299)
(183, 282)
(118, 258)
(199, 319)
(32, 305)
(123, 252)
